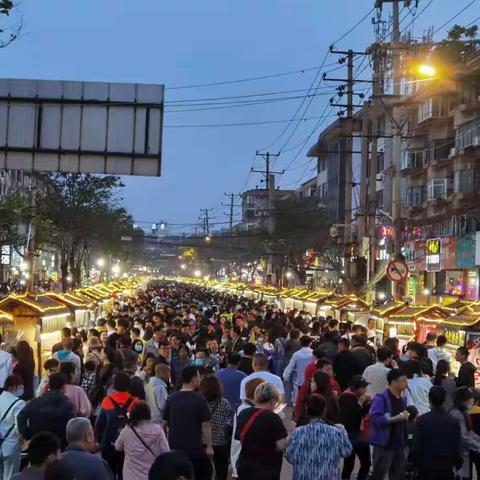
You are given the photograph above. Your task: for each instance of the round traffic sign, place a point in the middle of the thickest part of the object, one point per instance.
(397, 271)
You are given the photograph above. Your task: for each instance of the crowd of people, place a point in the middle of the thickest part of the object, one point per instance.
(184, 382)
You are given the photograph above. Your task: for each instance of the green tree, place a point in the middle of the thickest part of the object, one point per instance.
(84, 217)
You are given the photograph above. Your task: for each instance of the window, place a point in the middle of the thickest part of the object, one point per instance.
(379, 198)
(414, 196)
(432, 108)
(438, 189)
(466, 181)
(322, 190)
(322, 164)
(414, 159)
(468, 135)
(380, 162)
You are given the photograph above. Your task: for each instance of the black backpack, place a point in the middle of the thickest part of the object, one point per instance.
(117, 419)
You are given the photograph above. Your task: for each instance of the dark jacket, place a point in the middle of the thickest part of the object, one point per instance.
(343, 367)
(245, 365)
(50, 412)
(466, 375)
(438, 439)
(86, 466)
(108, 425)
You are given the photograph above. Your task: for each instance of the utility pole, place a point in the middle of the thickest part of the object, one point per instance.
(347, 157)
(269, 187)
(205, 219)
(231, 206)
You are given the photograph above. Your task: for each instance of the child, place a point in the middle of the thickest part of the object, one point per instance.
(51, 367)
(89, 378)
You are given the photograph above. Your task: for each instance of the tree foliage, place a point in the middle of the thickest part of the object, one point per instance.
(459, 44)
(84, 220)
(10, 22)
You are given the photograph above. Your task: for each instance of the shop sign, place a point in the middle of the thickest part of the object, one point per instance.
(5, 255)
(448, 253)
(473, 344)
(386, 231)
(471, 292)
(412, 289)
(433, 249)
(466, 251)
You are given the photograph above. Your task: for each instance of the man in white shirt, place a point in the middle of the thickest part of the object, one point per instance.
(295, 371)
(376, 374)
(10, 406)
(439, 352)
(260, 370)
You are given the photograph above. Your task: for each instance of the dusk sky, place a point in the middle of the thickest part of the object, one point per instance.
(184, 42)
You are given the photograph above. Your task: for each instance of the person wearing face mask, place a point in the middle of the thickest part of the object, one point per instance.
(463, 404)
(10, 406)
(79, 454)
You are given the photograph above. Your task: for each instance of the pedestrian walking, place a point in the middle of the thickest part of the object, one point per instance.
(48, 413)
(142, 441)
(354, 405)
(438, 442)
(188, 419)
(443, 379)
(111, 419)
(10, 406)
(79, 454)
(263, 436)
(295, 370)
(316, 450)
(220, 416)
(388, 433)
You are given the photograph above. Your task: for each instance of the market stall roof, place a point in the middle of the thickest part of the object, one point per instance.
(40, 305)
(94, 293)
(69, 300)
(388, 308)
(458, 320)
(425, 311)
(348, 302)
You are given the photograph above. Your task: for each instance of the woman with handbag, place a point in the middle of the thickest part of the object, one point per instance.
(263, 436)
(142, 441)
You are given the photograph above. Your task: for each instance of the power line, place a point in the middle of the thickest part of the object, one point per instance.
(247, 79)
(230, 97)
(239, 104)
(242, 124)
(348, 32)
(455, 16)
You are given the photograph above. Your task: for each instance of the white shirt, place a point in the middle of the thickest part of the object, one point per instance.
(12, 442)
(267, 376)
(417, 393)
(6, 366)
(376, 376)
(436, 354)
(300, 360)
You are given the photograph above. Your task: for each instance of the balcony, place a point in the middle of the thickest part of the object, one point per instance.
(414, 161)
(468, 136)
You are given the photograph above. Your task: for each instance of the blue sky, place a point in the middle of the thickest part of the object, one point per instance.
(179, 42)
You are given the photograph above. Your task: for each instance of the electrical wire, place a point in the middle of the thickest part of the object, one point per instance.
(473, 21)
(241, 124)
(247, 79)
(348, 32)
(246, 103)
(455, 16)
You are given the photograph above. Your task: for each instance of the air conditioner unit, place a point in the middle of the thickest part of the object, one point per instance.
(452, 153)
(476, 141)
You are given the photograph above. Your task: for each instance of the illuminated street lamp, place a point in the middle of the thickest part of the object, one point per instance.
(207, 238)
(427, 70)
(116, 269)
(197, 273)
(289, 275)
(183, 266)
(101, 262)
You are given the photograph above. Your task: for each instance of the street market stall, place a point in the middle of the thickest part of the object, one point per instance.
(82, 309)
(36, 319)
